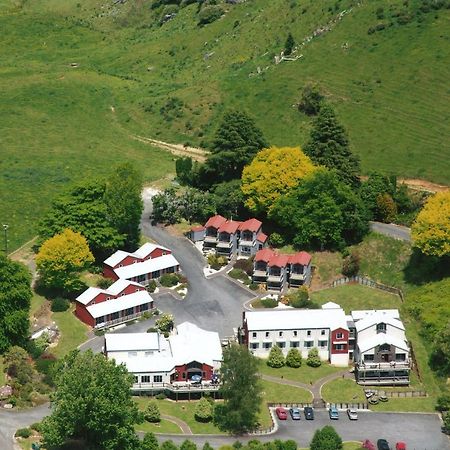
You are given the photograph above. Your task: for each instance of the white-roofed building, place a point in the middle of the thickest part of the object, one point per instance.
(382, 351)
(124, 300)
(148, 262)
(156, 361)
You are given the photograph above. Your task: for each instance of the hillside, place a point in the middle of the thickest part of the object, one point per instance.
(78, 78)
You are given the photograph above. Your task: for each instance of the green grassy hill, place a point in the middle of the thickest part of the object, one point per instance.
(172, 82)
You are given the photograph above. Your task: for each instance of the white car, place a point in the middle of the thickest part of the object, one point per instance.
(352, 414)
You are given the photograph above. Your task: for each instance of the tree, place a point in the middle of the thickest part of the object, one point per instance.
(229, 199)
(440, 354)
(83, 209)
(294, 358)
(236, 142)
(152, 413)
(15, 298)
(350, 266)
(168, 445)
(290, 44)
(124, 202)
(313, 359)
(273, 173)
(376, 185)
(195, 205)
(204, 410)
(322, 212)
(183, 167)
(92, 403)
(18, 366)
(165, 207)
(165, 323)
(326, 439)
(328, 146)
(188, 445)
(150, 442)
(386, 208)
(207, 446)
(241, 391)
(61, 259)
(276, 357)
(311, 100)
(431, 229)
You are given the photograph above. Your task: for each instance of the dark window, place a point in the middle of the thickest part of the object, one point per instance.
(129, 311)
(295, 333)
(145, 379)
(144, 307)
(254, 334)
(99, 320)
(115, 315)
(295, 344)
(385, 348)
(368, 357)
(281, 344)
(322, 332)
(267, 344)
(184, 375)
(267, 334)
(400, 357)
(254, 346)
(381, 327)
(157, 378)
(280, 334)
(308, 333)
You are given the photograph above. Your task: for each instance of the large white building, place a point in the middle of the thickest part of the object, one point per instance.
(156, 361)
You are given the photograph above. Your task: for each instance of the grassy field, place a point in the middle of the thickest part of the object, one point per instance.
(343, 391)
(165, 426)
(61, 123)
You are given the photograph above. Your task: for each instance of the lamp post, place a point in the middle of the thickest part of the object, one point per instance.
(5, 230)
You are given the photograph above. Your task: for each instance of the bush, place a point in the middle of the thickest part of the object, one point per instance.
(152, 330)
(294, 358)
(253, 286)
(23, 433)
(152, 413)
(350, 265)
(216, 262)
(36, 426)
(60, 304)
(238, 274)
(443, 403)
(300, 299)
(313, 359)
(161, 396)
(246, 265)
(99, 332)
(325, 439)
(151, 286)
(276, 240)
(165, 323)
(276, 357)
(269, 302)
(204, 410)
(169, 280)
(188, 445)
(311, 101)
(209, 14)
(36, 347)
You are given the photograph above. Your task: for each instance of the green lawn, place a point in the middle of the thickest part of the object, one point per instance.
(73, 332)
(424, 404)
(343, 391)
(354, 296)
(165, 426)
(304, 374)
(36, 302)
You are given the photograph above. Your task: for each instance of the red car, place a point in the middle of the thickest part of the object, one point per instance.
(281, 413)
(400, 446)
(369, 445)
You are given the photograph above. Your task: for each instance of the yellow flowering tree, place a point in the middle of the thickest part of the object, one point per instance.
(431, 229)
(61, 259)
(272, 173)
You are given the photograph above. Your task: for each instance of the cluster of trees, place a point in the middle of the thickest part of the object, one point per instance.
(294, 359)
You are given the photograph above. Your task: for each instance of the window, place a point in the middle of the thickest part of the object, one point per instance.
(157, 378)
(108, 298)
(267, 334)
(381, 327)
(368, 357)
(308, 344)
(295, 344)
(254, 346)
(323, 344)
(340, 346)
(322, 333)
(400, 357)
(132, 354)
(145, 379)
(267, 344)
(308, 333)
(384, 348)
(99, 320)
(144, 307)
(254, 334)
(295, 333)
(137, 290)
(339, 335)
(184, 375)
(281, 344)
(115, 315)
(129, 311)
(135, 379)
(280, 334)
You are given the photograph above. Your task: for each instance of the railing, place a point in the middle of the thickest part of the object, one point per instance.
(383, 365)
(401, 394)
(175, 387)
(122, 319)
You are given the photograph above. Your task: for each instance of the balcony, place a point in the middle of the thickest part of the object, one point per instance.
(176, 386)
(261, 274)
(123, 319)
(224, 244)
(297, 276)
(211, 239)
(371, 365)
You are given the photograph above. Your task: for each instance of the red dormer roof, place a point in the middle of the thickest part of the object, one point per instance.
(215, 221)
(230, 227)
(197, 228)
(265, 255)
(302, 258)
(251, 225)
(279, 261)
(261, 237)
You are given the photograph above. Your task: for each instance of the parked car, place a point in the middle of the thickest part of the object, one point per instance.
(369, 445)
(400, 446)
(281, 413)
(309, 413)
(352, 414)
(382, 444)
(295, 413)
(334, 413)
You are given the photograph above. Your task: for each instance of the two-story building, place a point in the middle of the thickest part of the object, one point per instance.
(156, 361)
(251, 238)
(147, 263)
(124, 300)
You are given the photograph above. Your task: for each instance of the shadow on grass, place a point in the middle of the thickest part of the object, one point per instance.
(423, 269)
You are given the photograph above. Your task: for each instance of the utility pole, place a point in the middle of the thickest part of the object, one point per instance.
(5, 230)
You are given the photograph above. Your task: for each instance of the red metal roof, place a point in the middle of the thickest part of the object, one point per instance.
(215, 221)
(230, 227)
(264, 255)
(197, 228)
(302, 258)
(261, 237)
(251, 225)
(279, 261)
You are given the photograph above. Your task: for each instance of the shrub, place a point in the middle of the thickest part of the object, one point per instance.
(326, 438)
(152, 330)
(300, 299)
(99, 332)
(151, 286)
(443, 403)
(216, 262)
(60, 304)
(152, 413)
(238, 274)
(311, 100)
(188, 445)
(313, 359)
(269, 302)
(386, 208)
(276, 240)
(246, 265)
(165, 323)
(209, 14)
(160, 396)
(294, 358)
(350, 265)
(276, 357)
(169, 280)
(23, 433)
(204, 410)
(36, 426)
(253, 286)
(104, 283)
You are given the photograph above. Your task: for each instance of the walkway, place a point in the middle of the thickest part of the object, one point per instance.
(184, 427)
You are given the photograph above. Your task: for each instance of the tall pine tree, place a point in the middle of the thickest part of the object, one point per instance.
(328, 146)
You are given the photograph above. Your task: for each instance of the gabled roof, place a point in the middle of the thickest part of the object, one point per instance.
(149, 266)
(331, 305)
(380, 339)
(141, 253)
(302, 258)
(116, 258)
(261, 237)
(215, 221)
(144, 250)
(126, 342)
(279, 261)
(377, 318)
(230, 227)
(115, 289)
(250, 225)
(363, 313)
(264, 255)
(198, 228)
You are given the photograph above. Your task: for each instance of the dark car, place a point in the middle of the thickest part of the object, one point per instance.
(309, 413)
(295, 413)
(382, 444)
(281, 413)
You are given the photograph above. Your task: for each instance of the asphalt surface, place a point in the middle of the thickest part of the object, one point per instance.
(418, 431)
(392, 230)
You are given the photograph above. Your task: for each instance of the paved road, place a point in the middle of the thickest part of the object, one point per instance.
(419, 431)
(10, 421)
(391, 230)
